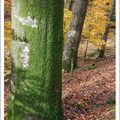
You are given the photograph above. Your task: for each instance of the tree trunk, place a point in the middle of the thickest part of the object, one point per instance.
(85, 54)
(74, 34)
(71, 5)
(36, 85)
(105, 35)
(89, 30)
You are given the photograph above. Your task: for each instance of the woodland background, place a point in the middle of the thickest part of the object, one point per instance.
(90, 93)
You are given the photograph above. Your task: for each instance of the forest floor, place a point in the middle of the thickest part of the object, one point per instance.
(89, 94)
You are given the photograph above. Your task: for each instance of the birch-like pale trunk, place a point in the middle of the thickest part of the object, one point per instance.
(74, 34)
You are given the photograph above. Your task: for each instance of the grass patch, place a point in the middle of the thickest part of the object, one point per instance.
(91, 66)
(110, 102)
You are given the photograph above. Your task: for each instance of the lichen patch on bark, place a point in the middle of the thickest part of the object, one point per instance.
(21, 54)
(25, 55)
(71, 33)
(28, 21)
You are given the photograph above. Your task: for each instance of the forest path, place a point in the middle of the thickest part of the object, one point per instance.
(90, 94)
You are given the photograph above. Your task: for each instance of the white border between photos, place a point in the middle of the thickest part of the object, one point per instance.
(2, 60)
(117, 60)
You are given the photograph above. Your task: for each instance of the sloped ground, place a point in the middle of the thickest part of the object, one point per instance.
(90, 94)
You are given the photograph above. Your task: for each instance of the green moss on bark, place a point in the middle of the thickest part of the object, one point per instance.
(38, 89)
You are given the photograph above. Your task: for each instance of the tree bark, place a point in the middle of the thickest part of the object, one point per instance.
(85, 54)
(105, 35)
(71, 5)
(36, 85)
(74, 34)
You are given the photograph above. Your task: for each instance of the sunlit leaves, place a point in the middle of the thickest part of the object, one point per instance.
(95, 21)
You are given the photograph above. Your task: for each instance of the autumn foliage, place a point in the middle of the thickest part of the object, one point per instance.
(95, 21)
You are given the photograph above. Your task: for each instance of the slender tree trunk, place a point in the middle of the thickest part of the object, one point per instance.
(105, 35)
(89, 29)
(71, 5)
(65, 2)
(86, 50)
(74, 34)
(36, 85)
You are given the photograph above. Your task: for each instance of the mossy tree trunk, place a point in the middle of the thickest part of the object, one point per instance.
(74, 34)
(37, 43)
(105, 35)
